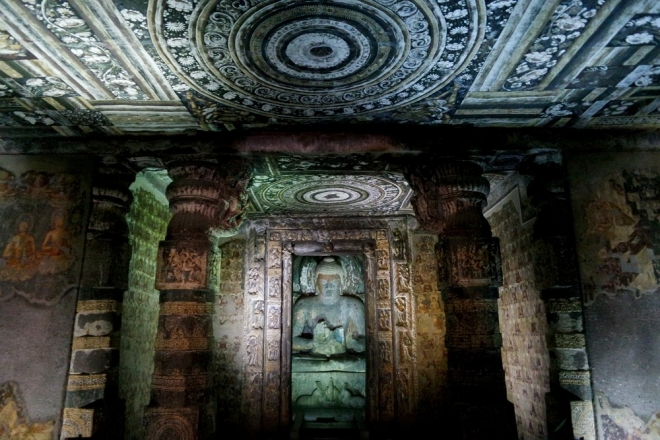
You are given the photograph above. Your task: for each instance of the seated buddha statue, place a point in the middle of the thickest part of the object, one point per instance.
(328, 323)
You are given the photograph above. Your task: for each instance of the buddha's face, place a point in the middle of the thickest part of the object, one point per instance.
(328, 286)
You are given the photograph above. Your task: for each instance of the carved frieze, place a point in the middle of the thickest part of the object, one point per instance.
(474, 262)
(180, 382)
(182, 266)
(185, 308)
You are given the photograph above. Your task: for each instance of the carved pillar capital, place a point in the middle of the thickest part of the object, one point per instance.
(205, 196)
(112, 200)
(449, 197)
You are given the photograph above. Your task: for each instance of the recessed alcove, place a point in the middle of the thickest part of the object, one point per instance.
(329, 343)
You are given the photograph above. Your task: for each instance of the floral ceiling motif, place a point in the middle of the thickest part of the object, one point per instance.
(318, 59)
(76, 67)
(386, 193)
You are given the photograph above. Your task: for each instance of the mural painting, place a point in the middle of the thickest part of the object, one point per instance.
(40, 239)
(14, 421)
(624, 231)
(617, 212)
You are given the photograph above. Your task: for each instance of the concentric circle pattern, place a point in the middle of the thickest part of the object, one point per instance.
(333, 193)
(318, 59)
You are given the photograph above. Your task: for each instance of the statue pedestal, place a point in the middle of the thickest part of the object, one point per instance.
(330, 388)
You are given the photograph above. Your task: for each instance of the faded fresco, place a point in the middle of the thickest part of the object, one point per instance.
(623, 232)
(41, 235)
(616, 205)
(43, 205)
(15, 423)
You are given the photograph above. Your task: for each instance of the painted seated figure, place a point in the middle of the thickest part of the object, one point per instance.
(328, 323)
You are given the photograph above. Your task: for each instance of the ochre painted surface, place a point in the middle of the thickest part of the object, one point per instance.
(43, 204)
(616, 204)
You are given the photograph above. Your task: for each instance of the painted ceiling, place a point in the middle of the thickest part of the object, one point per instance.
(82, 67)
(354, 184)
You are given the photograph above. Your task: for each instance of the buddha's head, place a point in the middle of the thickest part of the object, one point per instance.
(329, 279)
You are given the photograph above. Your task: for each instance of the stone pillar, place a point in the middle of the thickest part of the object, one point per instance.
(449, 198)
(92, 407)
(556, 272)
(202, 196)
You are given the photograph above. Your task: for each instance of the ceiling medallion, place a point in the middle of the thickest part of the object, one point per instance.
(317, 59)
(334, 193)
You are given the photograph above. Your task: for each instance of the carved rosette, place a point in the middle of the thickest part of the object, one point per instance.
(203, 197)
(95, 349)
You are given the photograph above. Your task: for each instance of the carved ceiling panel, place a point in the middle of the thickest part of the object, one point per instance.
(78, 67)
(332, 194)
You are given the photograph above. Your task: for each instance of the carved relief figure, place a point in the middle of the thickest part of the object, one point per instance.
(252, 350)
(383, 289)
(274, 287)
(258, 315)
(403, 278)
(329, 396)
(253, 281)
(402, 312)
(383, 260)
(183, 266)
(273, 317)
(407, 354)
(384, 319)
(273, 350)
(274, 258)
(328, 323)
(402, 386)
(398, 245)
(385, 351)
